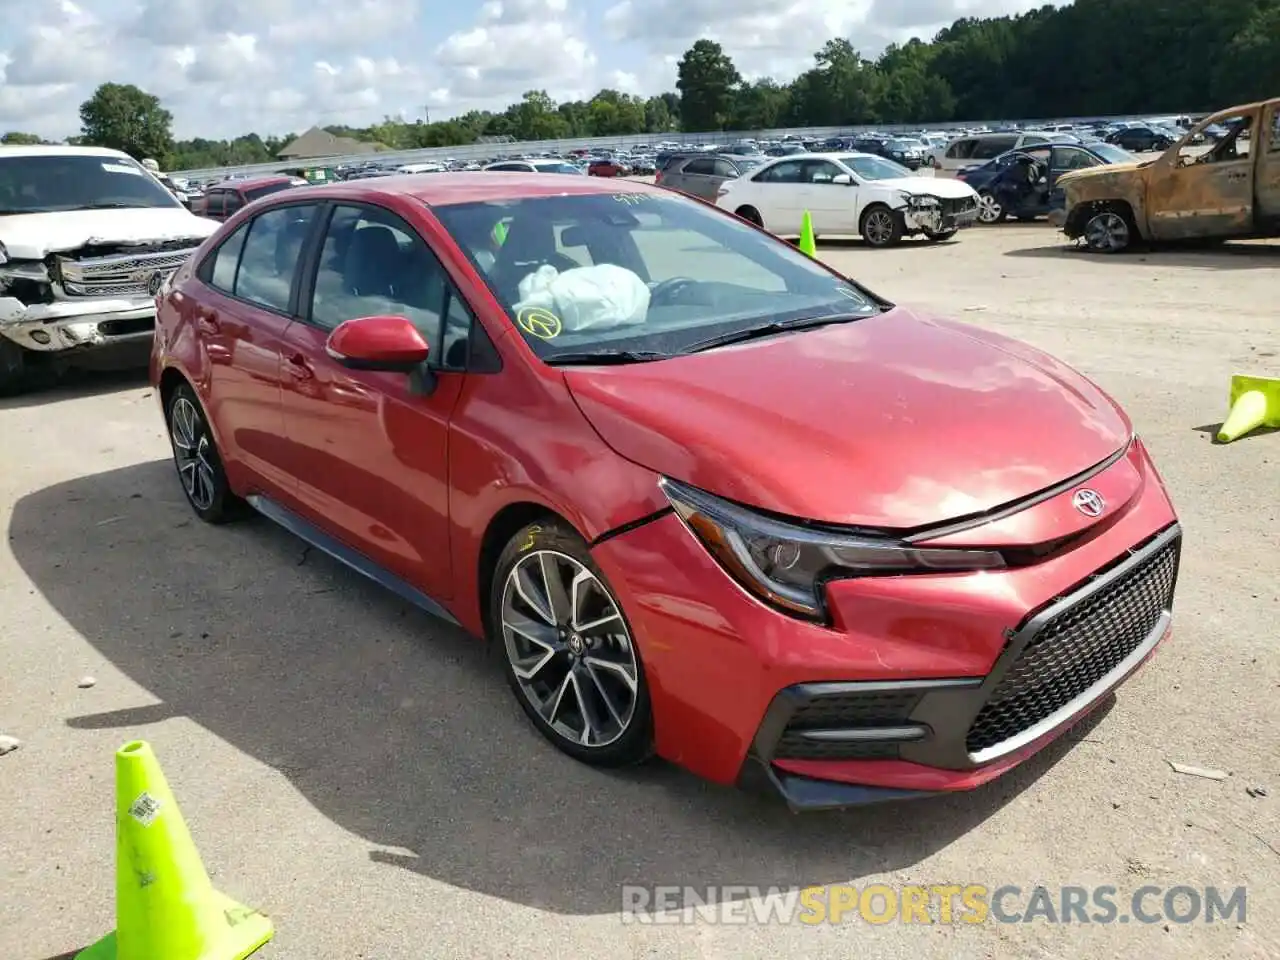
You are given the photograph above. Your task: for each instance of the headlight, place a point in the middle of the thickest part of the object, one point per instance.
(915, 201)
(787, 564)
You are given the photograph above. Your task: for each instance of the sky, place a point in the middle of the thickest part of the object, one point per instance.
(228, 67)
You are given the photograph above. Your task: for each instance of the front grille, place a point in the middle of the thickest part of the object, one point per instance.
(118, 276)
(1077, 648)
(951, 207)
(845, 711)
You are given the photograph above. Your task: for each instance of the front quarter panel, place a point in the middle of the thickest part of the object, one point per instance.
(1113, 183)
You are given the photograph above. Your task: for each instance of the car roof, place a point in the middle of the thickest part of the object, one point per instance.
(446, 189)
(250, 182)
(59, 150)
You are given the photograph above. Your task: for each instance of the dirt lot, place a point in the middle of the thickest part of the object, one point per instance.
(361, 773)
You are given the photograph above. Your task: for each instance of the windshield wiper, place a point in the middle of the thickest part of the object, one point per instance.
(602, 357)
(769, 329)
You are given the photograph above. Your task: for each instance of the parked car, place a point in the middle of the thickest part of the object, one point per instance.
(670, 509)
(535, 166)
(1232, 191)
(850, 193)
(1142, 139)
(222, 200)
(978, 148)
(87, 235)
(606, 167)
(908, 153)
(701, 174)
(1022, 183)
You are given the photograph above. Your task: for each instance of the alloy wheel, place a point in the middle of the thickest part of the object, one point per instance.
(191, 450)
(989, 208)
(878, 228)
(570, 649)
(1107, 232)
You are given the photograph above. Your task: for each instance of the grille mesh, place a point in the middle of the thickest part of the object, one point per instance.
(844, 711)
(120, 276)
(1077, 648)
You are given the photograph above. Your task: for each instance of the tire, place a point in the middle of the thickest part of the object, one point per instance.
(1109, 230)
(990, 210)
(880, 227)
(751, 215)
(13, 368)
(197, 461)
(574, 685)
(942, 237)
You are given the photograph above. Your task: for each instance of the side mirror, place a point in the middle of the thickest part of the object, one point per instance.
(391, 344)
(843, 179)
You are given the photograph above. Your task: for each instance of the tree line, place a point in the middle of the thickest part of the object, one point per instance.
(1091, 58)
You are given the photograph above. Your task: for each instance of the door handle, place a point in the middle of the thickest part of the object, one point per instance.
(299, 368)
(207, 320)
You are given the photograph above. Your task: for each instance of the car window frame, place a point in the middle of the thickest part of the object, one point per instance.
(482, 356)
(204, 272)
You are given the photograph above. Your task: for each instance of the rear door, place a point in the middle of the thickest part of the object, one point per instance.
(1267, 170)
(695, 177)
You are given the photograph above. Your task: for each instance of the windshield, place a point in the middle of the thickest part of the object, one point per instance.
(1112, 154)
(644, 272)
(59, 182)
(256, 192)
(905, 144)
(750, 163)
(875, 168)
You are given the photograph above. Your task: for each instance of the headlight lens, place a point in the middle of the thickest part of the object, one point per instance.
(786, 564)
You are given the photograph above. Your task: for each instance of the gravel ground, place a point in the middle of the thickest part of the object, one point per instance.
(361, 774)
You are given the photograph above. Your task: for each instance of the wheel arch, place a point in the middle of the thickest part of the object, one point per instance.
(502, 526)
(1082, 212)
(170, 380)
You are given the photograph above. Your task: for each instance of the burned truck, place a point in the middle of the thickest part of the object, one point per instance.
(87, 238)
(1225, 189)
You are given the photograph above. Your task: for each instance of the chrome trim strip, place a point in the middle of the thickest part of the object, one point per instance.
(865, 734)
(952, 527)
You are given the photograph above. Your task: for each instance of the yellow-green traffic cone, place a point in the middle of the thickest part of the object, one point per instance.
(166, 908)
(807, 244)
(1255, 402)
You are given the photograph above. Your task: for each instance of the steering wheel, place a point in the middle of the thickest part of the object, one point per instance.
(668, 289)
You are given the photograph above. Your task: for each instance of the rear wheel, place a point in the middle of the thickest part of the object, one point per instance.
(196, 458)
(751, 215)
(567, 649)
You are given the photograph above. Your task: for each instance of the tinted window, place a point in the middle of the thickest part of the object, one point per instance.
(1068, 158)
(730, 275)
(225, 260)
(989, 147)
(789, 171)
(270, 257)
(703, 166)
(723, 168)
(961, 149)
(820, 171)
(372, 263)
(44, 184)
(256, 192)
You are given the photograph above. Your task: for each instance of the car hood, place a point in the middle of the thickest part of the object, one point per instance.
(943, 187)
(1088, 173)
(32, 236)
(895, 421)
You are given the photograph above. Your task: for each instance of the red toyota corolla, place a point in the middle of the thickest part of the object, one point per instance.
(707, 497)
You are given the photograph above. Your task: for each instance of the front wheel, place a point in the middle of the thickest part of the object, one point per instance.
(1108, 231)
(881, 227)
(567, 649)
(990, 209)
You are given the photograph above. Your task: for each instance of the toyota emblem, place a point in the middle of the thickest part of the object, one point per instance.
(155, 283)
(1089, 502)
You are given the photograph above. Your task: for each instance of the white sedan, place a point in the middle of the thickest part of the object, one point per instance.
(847, 194)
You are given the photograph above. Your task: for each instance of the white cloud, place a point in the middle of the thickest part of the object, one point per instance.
(228, 67)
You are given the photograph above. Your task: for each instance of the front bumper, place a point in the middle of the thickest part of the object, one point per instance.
(77, 324)
(921, 684)
(942, 217)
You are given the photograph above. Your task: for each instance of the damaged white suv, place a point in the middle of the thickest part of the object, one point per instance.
(848, 194)
(87, 237)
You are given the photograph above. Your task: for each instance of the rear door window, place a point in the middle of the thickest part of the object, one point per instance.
(269, 261)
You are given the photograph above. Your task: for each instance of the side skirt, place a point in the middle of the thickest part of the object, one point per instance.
(309, 532)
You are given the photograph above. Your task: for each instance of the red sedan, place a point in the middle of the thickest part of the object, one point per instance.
(707, 497)
(222, 200)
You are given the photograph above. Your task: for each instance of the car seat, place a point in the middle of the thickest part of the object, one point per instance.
(530, 243)
(373, 267)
